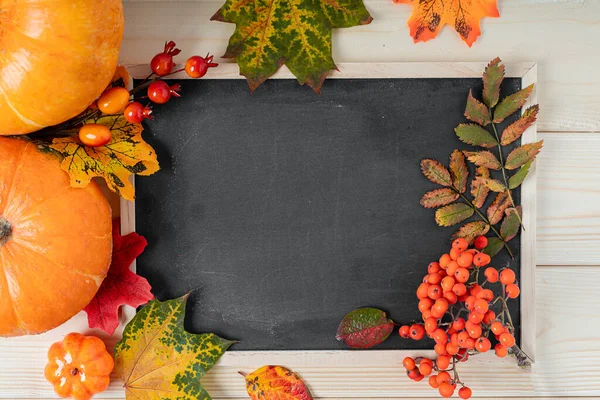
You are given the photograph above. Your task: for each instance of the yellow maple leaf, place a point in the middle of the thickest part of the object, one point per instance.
(127, 153)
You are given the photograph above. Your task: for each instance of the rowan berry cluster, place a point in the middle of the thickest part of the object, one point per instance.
(118, 100)
(458, 314)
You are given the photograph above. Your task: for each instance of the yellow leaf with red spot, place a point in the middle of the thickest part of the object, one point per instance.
(276, 383)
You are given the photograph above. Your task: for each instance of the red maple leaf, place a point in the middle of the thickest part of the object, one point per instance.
(121, 286)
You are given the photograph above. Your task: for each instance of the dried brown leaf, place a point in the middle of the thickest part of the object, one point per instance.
(495, 211)
(476, 111)
(471, 230)
(515, 130)
(436, 172)
(478, 189)
(459, 171)
(523, 154)
(439, 197)
(484, 158)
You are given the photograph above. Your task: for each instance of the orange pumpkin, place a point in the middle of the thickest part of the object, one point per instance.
(55, 241)
(79, 366)
(56, 58)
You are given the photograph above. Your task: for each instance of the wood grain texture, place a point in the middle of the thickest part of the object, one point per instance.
(562, 36)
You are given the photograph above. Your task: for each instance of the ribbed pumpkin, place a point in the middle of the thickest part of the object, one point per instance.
(56, 58)
(55, 241)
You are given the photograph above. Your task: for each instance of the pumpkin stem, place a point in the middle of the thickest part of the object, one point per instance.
(5, 231)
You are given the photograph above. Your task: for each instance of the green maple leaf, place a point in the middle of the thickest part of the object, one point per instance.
(158, 359)
(270, 33)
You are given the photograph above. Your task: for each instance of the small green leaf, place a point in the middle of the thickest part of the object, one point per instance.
(484, 158)
(439, 197)
(517, 179)
(495, 211)
(436, 172)
(511, 104)
(511, 223)
(476, 111)
(364, 328)
(478, 190)
(459, 171)
(475, 135)
(523, 154)
(453, 214)
(515, 130)
(494, 185)
(494, 246)
(471, 230)
(492, 79)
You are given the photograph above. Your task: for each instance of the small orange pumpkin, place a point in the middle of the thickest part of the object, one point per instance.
(56, 58)
(55, 241)
(79, 366)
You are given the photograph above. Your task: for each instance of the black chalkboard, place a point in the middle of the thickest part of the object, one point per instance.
(284, 210)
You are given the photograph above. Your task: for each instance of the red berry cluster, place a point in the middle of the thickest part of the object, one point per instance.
(458, 314)
(116, 100)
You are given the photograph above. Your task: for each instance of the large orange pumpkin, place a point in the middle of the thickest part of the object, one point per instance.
(55, 241)
(56, 58)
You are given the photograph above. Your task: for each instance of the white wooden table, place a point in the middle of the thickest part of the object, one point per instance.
(563, 36)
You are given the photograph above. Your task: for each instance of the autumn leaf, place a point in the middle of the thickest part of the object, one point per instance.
(495, 211)
(478, 190)
(127, 153)
(429, 16)
(511, 104)
(297, 33)
(436, 172)
(517, 179)
(453, 214)
(515, 130)
(475, 135)
(157, 358)
(523, 154)
(483, 159)
(511, 223)
(493, 184)
(476, 111)
(439, 197)
(471, 230)
(274, 382)
(494, 246)
(121, 286)
(492, 79)
(459, 171)
(364, 328)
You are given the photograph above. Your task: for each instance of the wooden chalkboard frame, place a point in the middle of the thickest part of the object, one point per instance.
(348, 373)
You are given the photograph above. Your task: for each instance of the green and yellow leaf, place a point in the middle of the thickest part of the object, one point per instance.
(511, 223)
(494, 246)
(511, 104)
(495, 211)
(459, 171)
(297, 33)
(517, 179)
(523, 154)
(493, 184)
(483, 158)
(273, 382)
(439, 197)
(158, 359)
(453, 214)
(515, 130)
(476, 111)
(127, 153)
(492, 79)
(478, 190)
(436, 172)
(475, 135)
(471, 230)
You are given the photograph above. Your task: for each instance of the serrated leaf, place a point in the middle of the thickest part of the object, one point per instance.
(471, 230)
(476, 111)
(439, 197)
(492, 79)
(523, 154)
(127, 153)
(436, 172)
(511, 104)
(478, 190)
(475, 135)
(453, 214)
(493, 247)
(274, 382)
(517, 179)
(515, 130)
(511, 223)
(364, 328)
(495, 211)
(494, 185)
(297, 33)
(484, 158)
(157, 358)
(459, 171)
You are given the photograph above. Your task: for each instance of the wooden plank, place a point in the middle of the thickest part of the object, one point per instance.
(563, 36)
